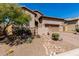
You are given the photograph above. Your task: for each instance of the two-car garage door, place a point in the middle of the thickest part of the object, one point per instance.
(52, 27)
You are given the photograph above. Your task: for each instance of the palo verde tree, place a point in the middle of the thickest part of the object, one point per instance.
(13, 13)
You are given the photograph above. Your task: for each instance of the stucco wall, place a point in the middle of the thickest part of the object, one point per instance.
(31, 23)
(70, 26)
(42, 31)
(78, 22)
(45, 30)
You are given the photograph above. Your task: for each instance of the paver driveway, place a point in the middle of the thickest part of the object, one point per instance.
(71, 38)
(70, 41)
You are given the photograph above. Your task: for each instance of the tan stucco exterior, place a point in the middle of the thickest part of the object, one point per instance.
(49, 24)
(70, 28)
(71, 25)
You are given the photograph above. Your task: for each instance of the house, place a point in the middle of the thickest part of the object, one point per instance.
(71, 24)
(42, 25)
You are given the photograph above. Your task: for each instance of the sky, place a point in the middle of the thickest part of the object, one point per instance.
(60, 10)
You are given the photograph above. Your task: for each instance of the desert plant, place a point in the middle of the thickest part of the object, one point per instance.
(22, 35)
(13, 14)
(55, 36)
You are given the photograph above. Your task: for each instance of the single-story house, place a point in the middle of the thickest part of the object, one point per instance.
(40, 24)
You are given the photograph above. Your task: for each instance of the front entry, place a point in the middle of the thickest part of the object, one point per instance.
(36, 28)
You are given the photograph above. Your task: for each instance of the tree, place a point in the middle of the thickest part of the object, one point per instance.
(14, 14)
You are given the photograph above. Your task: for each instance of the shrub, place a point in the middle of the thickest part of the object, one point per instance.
(55, 36)
(20, 36)
(23, 34)
(77, 29)
(29, 40)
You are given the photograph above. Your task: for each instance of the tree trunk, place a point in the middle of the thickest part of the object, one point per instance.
(6, 28)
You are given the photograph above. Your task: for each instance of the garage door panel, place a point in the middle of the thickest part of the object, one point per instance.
(53, 27)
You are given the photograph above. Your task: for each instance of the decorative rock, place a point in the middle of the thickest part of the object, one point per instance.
(10, 51)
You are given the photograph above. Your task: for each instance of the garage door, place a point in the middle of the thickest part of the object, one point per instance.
(52, 27)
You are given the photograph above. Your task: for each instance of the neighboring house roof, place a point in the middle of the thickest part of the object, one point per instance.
(73, 20)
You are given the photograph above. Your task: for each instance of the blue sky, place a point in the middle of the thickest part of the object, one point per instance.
(60, 10)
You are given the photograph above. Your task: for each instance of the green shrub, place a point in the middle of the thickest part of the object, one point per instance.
(55, 36)
(20, 36)
(77, 29)
(29, 40)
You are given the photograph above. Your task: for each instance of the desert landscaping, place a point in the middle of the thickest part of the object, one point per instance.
(43, 46)
(25, 32)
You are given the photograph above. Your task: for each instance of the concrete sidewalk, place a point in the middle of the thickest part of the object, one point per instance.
(74, 52)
